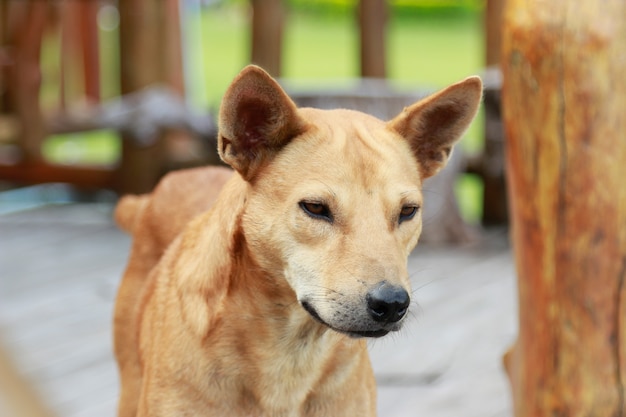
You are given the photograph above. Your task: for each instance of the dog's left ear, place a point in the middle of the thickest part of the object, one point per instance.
(256, 120)
(433, 125)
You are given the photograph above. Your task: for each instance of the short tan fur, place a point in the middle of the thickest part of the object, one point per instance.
(251, 293)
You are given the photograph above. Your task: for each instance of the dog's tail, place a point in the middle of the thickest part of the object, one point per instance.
(129, 210)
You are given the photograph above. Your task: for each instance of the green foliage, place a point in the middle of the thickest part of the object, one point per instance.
(96, 147)
(324, 53)
(469, 191)
(398, 8)
(435, 8)
(323, 7)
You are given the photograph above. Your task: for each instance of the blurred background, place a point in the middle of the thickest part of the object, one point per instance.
(99, 98)
(110, 96)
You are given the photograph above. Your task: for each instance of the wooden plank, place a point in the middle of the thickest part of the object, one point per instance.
(55, 313)
(56, 307)
(38, 172)
(446, 362)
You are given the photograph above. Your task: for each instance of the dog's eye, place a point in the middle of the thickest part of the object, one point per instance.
(407, 213)
(316, 210)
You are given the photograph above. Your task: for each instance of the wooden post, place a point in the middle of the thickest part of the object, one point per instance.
(80, 61)
(267, 32)
(564, 101)
(372, 23)
(173, 55)
(4, 40)
(24, 79)
(141, 65)
(88, 14)
(493, 31)
(495, 210)
(71, 74)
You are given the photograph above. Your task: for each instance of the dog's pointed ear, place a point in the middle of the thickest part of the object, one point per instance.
(256, 119)
(433, 125)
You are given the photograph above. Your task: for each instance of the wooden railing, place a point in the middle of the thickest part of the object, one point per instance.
(149, 55)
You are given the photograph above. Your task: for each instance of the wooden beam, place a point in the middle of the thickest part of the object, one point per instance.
(141, 44)
(172, 51)
(24, 78)
(493, 31)
(564, 96)
(41, 172)
(88, 14)
(495, 208)
(372, 29)
(4, 59)
(141, 65)
(267, 32)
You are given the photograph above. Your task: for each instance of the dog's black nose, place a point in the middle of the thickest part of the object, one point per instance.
(387, 303)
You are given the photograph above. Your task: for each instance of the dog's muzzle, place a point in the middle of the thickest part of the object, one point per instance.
(385, 306)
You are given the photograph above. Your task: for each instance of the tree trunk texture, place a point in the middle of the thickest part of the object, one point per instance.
(564, 101)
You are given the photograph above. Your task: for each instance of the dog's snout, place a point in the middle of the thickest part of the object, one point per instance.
(387, 303)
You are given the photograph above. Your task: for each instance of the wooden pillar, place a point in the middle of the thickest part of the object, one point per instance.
(495, 209)
(80, 60)
(4, 59)
(372, 24)
(564, 101)
(173, 55)
(24, 78)
(141, 65)
(267, 32)
(71, 79)
(493, 31)
(88, 12)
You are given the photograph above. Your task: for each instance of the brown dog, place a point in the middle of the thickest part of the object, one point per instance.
(256, 302)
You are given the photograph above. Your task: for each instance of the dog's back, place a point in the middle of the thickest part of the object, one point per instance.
(179, 197)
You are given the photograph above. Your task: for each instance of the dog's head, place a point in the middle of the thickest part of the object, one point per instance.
(335, 196)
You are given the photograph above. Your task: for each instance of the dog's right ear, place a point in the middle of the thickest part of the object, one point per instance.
(433, 125)
(256, 120)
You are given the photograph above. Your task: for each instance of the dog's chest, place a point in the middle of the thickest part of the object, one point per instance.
(275, 376)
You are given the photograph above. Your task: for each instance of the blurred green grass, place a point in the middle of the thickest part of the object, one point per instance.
(320, 50)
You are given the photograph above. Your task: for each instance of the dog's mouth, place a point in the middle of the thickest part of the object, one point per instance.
(352, 333)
